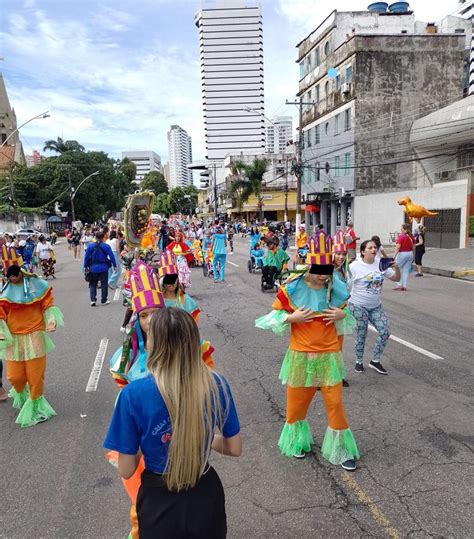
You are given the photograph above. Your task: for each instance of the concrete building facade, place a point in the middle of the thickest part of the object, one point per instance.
(145, 161)
(231, 52)
(34, 159)
(278, 133)
(466, 11)
(370, 75)
(179, 156)
(8, 126)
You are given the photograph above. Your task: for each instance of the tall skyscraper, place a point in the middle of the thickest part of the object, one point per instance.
(278, 133)
(231, 49)
(179, 156)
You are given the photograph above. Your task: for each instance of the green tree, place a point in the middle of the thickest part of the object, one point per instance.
(128, 168)
(162, 204)
(154, 181)
(62, 146)
(249, 181)
(178, 200)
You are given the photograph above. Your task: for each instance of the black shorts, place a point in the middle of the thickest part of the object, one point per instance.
(418, 256)
(193, 514)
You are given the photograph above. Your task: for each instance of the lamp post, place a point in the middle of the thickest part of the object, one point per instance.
(73, 191)
(37, 117)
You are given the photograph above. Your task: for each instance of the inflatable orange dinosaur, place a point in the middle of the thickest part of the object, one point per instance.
(415, 211)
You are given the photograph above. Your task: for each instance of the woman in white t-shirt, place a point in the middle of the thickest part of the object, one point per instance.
(365, 303)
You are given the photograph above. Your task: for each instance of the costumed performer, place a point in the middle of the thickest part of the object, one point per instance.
(175, 296)
(183, 268)
(27, 315)
(179, 240)
(311, 304)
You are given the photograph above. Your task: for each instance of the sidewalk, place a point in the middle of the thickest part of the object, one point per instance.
(449, 262)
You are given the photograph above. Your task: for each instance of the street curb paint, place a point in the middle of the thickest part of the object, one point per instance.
(97, 367)
(376, 513)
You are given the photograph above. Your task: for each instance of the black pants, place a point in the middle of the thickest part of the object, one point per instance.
(269, 274)
(419, 255)
(196, 513)
(103, 277)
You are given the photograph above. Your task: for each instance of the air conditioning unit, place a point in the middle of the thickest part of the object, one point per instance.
(346, 88)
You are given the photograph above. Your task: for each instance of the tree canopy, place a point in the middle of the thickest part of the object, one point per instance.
(247, 180)
(62, 146)
(40, 187)
(178, 200)
(154, 181)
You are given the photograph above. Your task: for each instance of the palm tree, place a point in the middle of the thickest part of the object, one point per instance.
(249, 181)
(62, 146)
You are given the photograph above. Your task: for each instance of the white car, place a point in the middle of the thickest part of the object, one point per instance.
(23, 233)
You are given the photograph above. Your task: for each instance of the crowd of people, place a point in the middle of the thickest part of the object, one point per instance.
(173, 407)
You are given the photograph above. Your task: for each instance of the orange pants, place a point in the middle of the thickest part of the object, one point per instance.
(31, 372)
(298, 400)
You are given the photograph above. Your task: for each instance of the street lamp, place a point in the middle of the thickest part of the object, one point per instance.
(37, 117)
(73, 192)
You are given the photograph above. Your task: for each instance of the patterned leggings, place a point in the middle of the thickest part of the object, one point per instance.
(379, 320)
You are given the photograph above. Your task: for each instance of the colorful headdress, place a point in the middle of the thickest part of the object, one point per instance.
(339, 246)
(168, 264)
(146, 293)
(10, 257)
(320, 250)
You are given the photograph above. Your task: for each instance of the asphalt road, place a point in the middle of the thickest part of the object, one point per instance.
(414, 427)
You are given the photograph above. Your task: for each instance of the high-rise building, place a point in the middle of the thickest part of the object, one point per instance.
(179, 156)
(364, 80)
(145, 161)
(166, 172)
(231, 50)
(34, 159)
(278, 133)
(9, 133)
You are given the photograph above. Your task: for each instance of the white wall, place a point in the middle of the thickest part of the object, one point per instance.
(380, 214)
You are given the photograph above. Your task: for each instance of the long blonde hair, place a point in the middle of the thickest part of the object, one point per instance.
(190, 392)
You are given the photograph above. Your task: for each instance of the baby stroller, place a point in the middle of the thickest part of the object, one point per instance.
(255, 263)
(207, 267)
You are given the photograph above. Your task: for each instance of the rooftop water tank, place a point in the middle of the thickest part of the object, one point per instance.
(378, 7)
(399, 7)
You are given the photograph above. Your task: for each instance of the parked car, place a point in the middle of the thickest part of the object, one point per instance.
(23, 233)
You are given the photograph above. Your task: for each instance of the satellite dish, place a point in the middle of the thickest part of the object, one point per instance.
(332, 72)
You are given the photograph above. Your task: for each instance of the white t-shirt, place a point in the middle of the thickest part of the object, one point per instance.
(366, 282)
(44, 250)
(113, 244)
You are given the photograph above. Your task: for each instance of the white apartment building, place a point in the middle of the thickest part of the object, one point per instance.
(145, 161)
(231, 51)
(179, 156)
(278, 133)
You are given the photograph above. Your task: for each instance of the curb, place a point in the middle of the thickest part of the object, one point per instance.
(455, 274)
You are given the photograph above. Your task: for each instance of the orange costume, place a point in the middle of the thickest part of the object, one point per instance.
(27, 313)
(314, 359)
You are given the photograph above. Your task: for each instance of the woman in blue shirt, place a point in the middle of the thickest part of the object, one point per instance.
(171, 417)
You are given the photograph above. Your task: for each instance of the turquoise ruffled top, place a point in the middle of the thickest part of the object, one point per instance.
(189, 305)
(300, 294)
(32, 289)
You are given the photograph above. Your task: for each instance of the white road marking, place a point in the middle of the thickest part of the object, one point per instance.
(97, 367)
(412, 346)
(117, 293)
(233, 264)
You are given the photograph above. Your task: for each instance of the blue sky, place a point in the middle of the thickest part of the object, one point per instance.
(116, 74)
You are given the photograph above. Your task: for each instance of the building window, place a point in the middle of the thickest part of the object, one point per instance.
(347, 164)
(301, 70)
(316, 94)
(308, 138)
(326, 89)
(308, 66)
(317, 135)
(318, 171)
(326, 128)
(336, 166)
(338, 82)
(326, 48)
(318, 56)
(347, 120)
(336, 124)
(349, 74)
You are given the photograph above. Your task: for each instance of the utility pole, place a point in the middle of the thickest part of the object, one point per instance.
(286, 189)
(216, 205)
(298, 165)
(71, 196)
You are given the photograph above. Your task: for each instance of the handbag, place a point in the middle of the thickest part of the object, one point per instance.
(87, 275)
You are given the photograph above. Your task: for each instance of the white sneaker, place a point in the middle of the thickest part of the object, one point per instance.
(106, 303)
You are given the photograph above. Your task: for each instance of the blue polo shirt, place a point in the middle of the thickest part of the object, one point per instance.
(218, 247)
(141, 421)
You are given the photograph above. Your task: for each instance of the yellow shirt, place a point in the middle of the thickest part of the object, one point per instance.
(301, 240)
